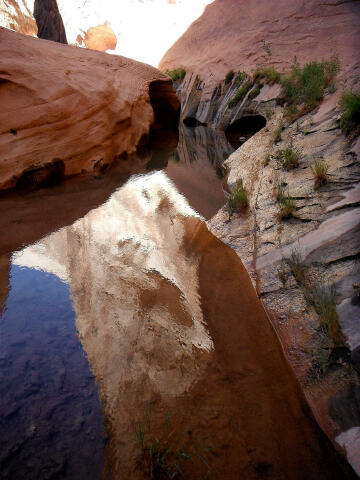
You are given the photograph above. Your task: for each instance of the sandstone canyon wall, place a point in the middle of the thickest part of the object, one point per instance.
(228, 36)
(67, 110)
(323, 232)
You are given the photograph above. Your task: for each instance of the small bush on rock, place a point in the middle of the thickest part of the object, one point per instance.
(254, 93)
(306, 85)
(289, 157)
(177, 74)
(270, 75)
(350, 107)
(238, 199)
(320, 172)
(229, 76)
(240, 94)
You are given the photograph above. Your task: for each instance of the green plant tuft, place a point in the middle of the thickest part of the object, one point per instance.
(297, 267)
(278, 132)
(240, 94)
(286, 202)
(306, 85)
(254, 93)
(229, 76)
(177, 74)
(350, 107)
(238, 199)
(269, 74)
(289, 157)
(240, 78)
(320, 172)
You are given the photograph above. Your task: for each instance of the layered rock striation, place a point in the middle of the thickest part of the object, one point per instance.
(232, 34)
(67, 111)
(321, 235)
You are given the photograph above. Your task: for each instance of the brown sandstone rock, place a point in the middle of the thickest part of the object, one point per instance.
(228, 36)
(71, 110)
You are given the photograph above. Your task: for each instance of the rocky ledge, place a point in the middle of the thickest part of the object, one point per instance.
(306, 264)
(67, 110)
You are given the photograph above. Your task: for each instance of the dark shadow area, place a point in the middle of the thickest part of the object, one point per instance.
(48, 174)
(193, 122)
(242, 129)
(49, 21)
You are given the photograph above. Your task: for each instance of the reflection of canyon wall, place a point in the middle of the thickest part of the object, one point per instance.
(67, 110)
(166, 313)
(195, 167)
(135, 296)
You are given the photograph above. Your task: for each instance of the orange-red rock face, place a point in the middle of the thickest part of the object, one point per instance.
(71, 110)
(228, 36)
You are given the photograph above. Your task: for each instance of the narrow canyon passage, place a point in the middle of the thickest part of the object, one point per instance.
(168, 321)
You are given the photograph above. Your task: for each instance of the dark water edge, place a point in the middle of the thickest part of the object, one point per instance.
(51, 423)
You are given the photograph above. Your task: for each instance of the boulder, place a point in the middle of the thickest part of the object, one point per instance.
(67, 110)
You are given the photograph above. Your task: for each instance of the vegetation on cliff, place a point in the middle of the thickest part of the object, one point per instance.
(350, 107)
(304, 87)
(238, 199)
(177, 74)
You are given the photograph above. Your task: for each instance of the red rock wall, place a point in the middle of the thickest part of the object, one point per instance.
(72, 108)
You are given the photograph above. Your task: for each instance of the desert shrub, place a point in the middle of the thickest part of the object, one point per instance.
(325, 306)
(278, 131)
(177, 74)
(306, 85)
(254, 93)
(289, 157)
(240, 78)
(297, 266)
(270, 74)
(238, 199)
(229, 76)
(350, 107)
(240, 94)
(286, 202)
(320, 172)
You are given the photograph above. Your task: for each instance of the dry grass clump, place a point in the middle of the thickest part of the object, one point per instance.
(289, 157)
(238, 199)
(320, 172)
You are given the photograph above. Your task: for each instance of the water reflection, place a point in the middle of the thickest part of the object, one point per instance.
(170, 322)
(196, 167)
(53, 395)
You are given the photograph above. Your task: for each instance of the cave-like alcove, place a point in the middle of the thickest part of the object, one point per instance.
(242, 129)
(193, 122)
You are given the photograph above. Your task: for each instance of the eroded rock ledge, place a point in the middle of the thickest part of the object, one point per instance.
(324, 233)
(67, 111)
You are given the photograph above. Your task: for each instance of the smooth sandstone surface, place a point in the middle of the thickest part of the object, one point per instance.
(228, 36)
(67, 110)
